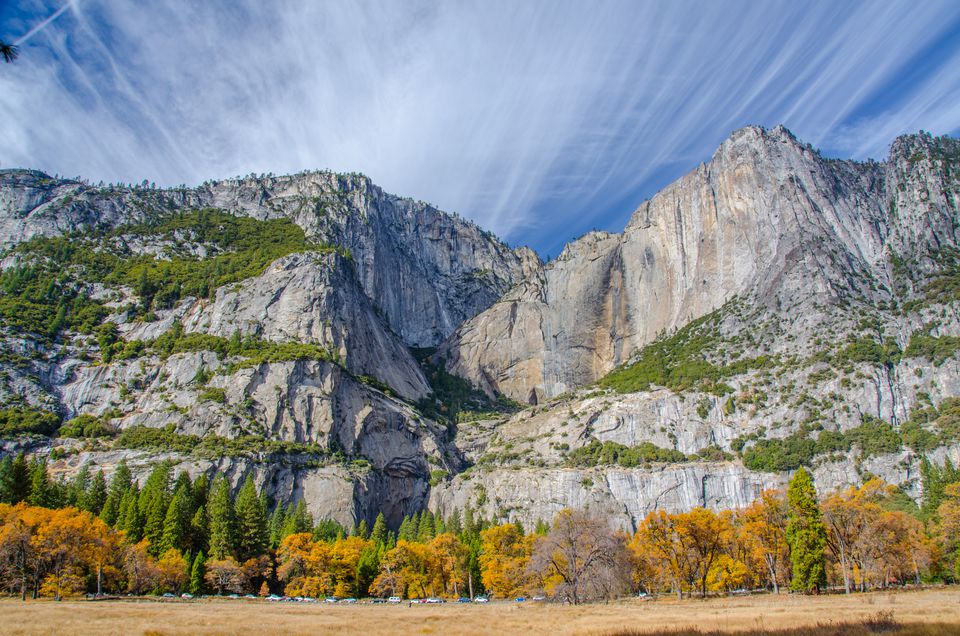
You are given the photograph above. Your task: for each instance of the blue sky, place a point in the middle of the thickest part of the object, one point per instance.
(538, 120)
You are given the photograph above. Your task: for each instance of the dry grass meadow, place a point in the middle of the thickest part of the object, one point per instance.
(928, 612)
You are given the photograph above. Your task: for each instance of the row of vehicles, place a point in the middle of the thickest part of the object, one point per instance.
(433, 600)
(436, 600)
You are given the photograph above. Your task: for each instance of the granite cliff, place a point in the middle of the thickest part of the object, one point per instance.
(770, 309)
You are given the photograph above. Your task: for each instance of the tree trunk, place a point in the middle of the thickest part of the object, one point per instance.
(843, 567)
(99, 579)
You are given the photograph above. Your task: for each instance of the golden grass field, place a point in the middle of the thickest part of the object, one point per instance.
(932, 612)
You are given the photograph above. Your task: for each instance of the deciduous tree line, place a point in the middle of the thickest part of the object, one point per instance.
(175, 534)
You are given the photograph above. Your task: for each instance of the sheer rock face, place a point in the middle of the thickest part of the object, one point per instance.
(425, 270)
(313, 298)
(766, 218)
(304, 402)
(627, 496)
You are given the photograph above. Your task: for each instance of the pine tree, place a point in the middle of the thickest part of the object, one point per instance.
(41, 490)
(367, 567)
(196, 574)
(806, 535)
(425, 530)
(96, 495)
(379, 533)
(298, 520)
(201, 490)
(19, 479)
(176, 521)
(470, 528)
(251, 515)
(153, 521)
(199, 531)
(328, 530)
(454, 524)
(6, 479)
(183, 482)
(276, 525)
(119, 485)
(78, 487)
(222, 522)
(404, 533)
(130, 520)
(361, 530)
(153, 503)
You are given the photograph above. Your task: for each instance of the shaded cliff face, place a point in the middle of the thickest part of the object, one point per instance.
(765, 218)
(425, 270)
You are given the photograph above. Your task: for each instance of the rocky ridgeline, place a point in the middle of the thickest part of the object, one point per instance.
(770, 308)
(426, 271)
(767, 218)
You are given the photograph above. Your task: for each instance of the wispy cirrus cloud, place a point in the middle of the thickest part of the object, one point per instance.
(537, 119)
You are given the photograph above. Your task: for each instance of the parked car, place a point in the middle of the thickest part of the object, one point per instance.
(186, 595)
(331, 599)
(539, 599)
(273, 598)
(349, 600)
(234, 596)
(433, 600)
(463, 599)
(520, 599)
(394, 599)
(169, 595)
(481, 599)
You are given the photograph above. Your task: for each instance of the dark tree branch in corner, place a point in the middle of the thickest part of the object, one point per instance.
(9, 52)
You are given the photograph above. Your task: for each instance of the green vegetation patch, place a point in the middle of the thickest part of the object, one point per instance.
(212, 446)
(252, 351)
(598, 453)
(89, 426)
(680, 363)
(928, 428)
(867, 350)
(454, 398)
(24, 420)
(936, 349)
(47, 292)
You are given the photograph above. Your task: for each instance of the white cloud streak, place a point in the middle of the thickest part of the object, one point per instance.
(532, 118)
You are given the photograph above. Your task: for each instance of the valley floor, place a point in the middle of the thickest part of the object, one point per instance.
(919, 612)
